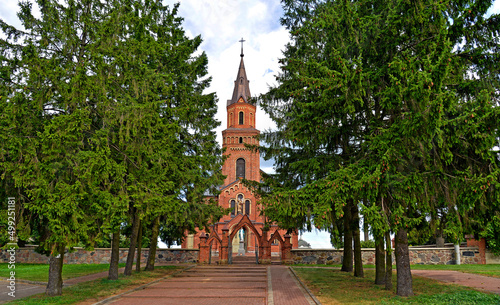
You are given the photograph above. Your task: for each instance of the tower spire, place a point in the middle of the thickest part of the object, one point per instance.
(241, 84)
(242, 41)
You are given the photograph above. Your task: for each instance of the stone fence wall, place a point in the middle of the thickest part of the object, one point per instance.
(469, 255)
(424, 256)
(102, 256)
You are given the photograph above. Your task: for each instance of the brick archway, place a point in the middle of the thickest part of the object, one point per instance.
(228, 233)
(285, 245)
(244, 222)
(205, 256)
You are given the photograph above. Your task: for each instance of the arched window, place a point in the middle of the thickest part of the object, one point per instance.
(241, 118)
(247, 207)
(241, 140)
(233, 206)
(240, 168)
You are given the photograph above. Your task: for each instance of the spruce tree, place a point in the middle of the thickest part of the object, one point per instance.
(105, 114)
(372, 105)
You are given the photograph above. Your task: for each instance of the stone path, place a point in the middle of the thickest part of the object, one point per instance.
(476, 281)
(22, 290)
(27, 288)
(232, 285)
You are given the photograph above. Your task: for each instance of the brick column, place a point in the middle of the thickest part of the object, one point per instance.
(204, 250)
(481, 244)
(265, 249)
(286, 252)
(223, 259)
(482, 251)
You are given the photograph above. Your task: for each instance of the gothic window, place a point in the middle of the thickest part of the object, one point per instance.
(247, 207)
(241, 140)
(240, 168)
(233, 206)
(231, 119)
(241, 118)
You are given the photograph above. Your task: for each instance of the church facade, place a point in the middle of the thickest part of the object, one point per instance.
(242, 231)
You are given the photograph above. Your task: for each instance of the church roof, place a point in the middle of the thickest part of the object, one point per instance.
(241, 85)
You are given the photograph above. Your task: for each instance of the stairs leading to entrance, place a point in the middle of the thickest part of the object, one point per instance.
(207, 285)
(244, 260)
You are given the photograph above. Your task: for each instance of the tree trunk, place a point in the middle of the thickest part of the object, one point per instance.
(388, 261)
(55, 284)
(366, 229)
(150, 265)
(115, 256)
(139, 249)
(439, 238)
(379, 260)
(358, 259)
(347, 260)
(133, 243)
(404, 284)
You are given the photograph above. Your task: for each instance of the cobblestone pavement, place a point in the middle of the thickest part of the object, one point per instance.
(232, 285)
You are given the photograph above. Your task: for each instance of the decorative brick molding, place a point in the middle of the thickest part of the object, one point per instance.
(102, 256)
(424, 256)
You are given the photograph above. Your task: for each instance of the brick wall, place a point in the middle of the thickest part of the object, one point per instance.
(425, 256)
(102, 256)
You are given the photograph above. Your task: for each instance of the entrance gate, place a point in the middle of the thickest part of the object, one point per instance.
(263, 253)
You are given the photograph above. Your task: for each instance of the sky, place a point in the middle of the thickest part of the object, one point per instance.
(221, 24)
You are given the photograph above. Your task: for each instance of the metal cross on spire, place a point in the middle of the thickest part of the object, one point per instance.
(242, 41)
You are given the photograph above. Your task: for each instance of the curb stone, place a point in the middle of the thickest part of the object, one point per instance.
(304, 287)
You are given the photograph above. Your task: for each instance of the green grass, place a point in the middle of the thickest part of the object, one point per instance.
(488, 270)
(96, 290)
(336, 287)
(492, 270)
(40, 272)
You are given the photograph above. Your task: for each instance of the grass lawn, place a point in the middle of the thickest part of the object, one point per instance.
(332, 286)
(40, 272)
(94, 291)
(487, 270)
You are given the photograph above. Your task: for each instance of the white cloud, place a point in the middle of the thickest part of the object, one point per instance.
(318, 239)
(221, 25)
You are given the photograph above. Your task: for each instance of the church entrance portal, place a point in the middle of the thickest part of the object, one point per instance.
(237, 240)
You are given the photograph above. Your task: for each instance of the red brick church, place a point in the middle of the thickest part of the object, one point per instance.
(241, 232)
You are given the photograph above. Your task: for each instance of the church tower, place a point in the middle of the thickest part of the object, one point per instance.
(241, 162)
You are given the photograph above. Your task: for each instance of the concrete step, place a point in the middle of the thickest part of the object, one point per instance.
(222, 279)
(200, 293)
(206, 274)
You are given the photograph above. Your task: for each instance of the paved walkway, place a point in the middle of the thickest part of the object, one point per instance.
(476, 281)
(220, 285)
(28, 288)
